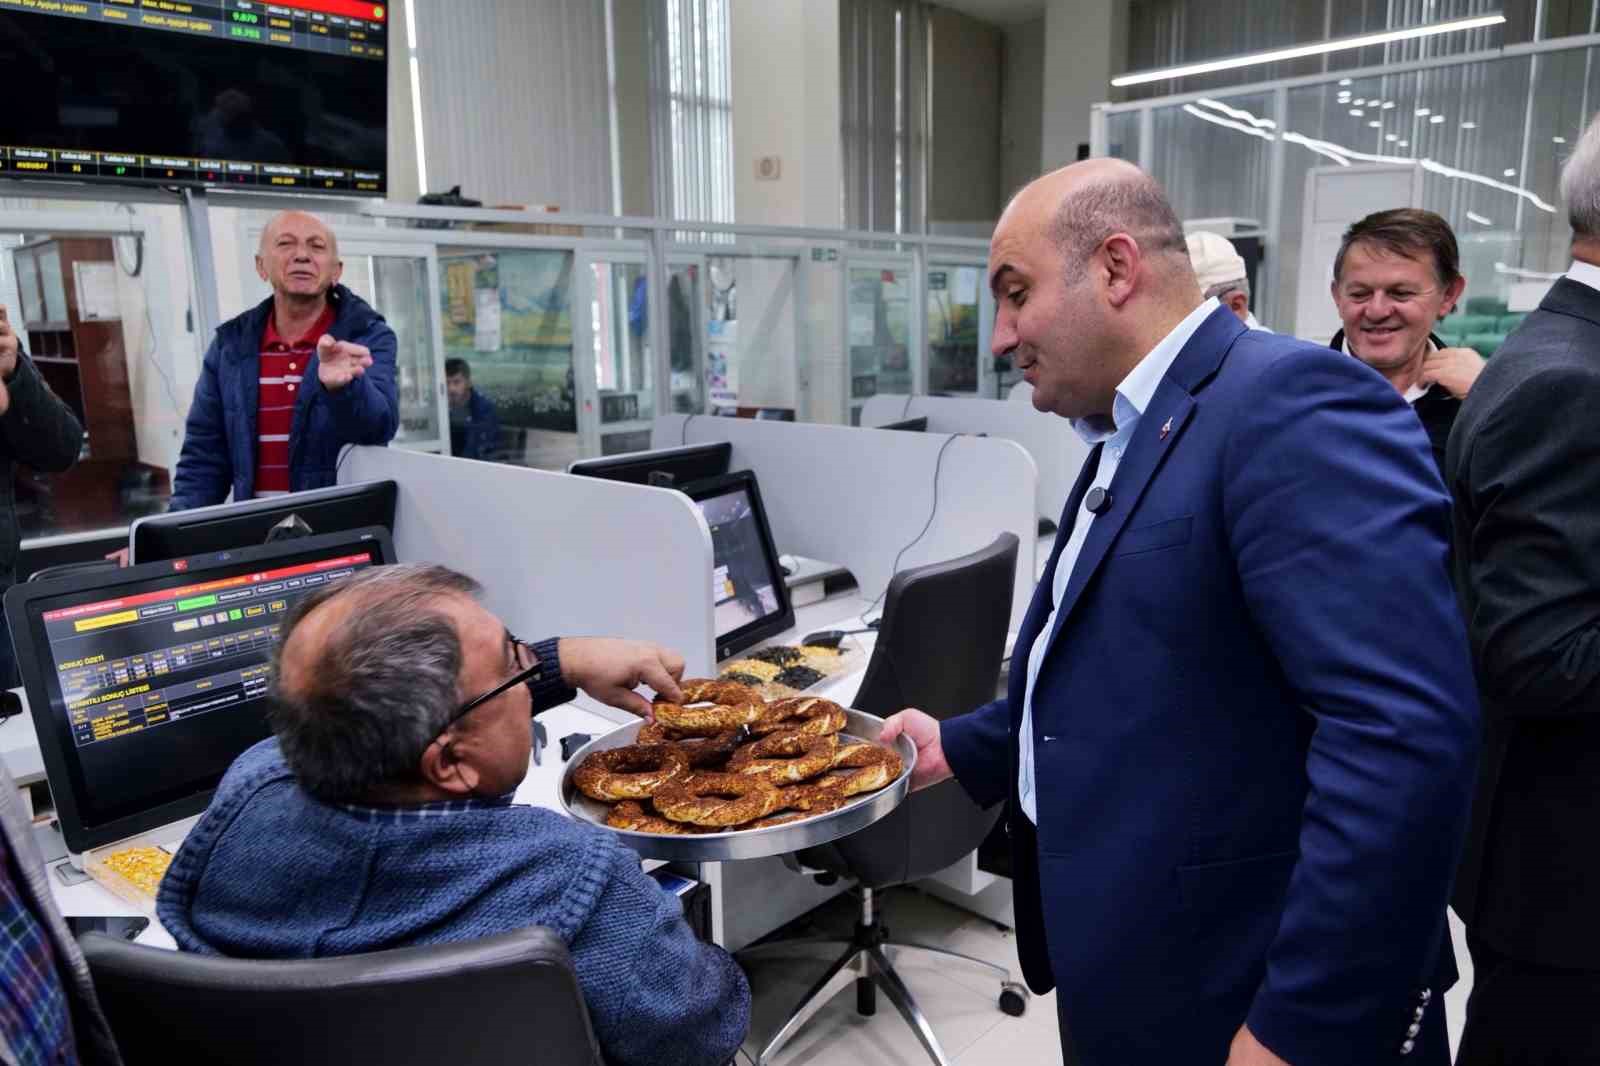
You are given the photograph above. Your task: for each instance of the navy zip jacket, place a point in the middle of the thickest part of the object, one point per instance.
(219, 440)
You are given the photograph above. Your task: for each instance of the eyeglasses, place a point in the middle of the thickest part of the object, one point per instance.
(530, 673)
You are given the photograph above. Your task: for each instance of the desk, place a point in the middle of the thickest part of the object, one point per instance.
(767, 893)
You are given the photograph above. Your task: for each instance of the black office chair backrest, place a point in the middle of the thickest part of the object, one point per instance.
(511, 998)
(939, 649)
(943, 635)
(67, 569)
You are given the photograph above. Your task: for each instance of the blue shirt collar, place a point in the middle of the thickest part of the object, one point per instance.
(1139, 387)
(417, 812)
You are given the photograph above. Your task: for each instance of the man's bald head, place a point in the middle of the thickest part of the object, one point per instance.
(1082, 204)
(300, 222)
(299, 258)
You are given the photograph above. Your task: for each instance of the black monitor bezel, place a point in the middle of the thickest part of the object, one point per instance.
(914, 424)
(25, 605)
(151, 539)
(762, 628)
(635, 468)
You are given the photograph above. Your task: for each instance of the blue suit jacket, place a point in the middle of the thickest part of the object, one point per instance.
(1255, 727)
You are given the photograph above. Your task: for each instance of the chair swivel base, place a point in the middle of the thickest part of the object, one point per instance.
(866, 963)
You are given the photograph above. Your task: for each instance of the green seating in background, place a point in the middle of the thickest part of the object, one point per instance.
(1464, 325)
(1485, 344)
(1492, 306)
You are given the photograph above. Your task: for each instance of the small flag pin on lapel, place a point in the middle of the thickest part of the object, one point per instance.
(1166, 427)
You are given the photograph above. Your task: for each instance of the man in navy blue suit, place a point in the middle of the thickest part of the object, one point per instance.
(1237, 753)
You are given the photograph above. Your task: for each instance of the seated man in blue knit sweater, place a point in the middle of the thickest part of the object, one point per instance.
(380, 814)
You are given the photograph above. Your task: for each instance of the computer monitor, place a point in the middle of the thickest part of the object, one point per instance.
(675, 467)
(751, 600)
(146, 682)
(918, 424)
(179, 534)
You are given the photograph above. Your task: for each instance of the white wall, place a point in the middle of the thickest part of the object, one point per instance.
(515, 104)
(786, 103)
(964, 145)
(1084, 42)
(1022, 107)
(630, 33)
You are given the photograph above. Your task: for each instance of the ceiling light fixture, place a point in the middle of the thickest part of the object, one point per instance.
(1469, 125)
(1424, 112)
(1357, 112)
(1279, 55)
(1344, 81)
(1436, 120)
(1559, 140)
(1375, 124)
(1473, 216)
(1510, 172)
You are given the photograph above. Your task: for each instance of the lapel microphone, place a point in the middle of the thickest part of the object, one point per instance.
(1098, 501)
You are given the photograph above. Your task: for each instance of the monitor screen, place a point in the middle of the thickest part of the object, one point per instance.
(146, 683)
(287, 97)
(683, 465)
(749, 597)
(178, 534)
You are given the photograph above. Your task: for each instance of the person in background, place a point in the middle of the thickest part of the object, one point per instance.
(37, 430)
(474, 423)
(1238, 746)
(1524, 468)
(286, 385)
(1396, 274)
(402, 710)
(1220, 270)
(48, 1009)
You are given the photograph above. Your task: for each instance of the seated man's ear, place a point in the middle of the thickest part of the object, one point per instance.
(443, 767)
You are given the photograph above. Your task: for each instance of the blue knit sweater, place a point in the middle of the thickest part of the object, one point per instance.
(270, 872)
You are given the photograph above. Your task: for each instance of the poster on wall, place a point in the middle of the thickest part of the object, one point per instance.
(486, 330)
(722, 384)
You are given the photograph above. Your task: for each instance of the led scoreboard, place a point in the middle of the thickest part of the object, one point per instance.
(287, 97)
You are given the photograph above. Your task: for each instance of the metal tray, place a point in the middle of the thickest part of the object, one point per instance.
(857, 814)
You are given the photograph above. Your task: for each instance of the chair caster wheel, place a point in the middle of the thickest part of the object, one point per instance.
(1013, 999)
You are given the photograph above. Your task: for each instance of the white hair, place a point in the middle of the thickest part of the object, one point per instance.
(1580, 183)
(1222, 288)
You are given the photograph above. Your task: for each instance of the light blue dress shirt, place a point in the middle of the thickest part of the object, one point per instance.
(1132, 399)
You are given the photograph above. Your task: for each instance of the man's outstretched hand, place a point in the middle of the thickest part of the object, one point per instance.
(340, 362)
(923, 729)
(610, 670)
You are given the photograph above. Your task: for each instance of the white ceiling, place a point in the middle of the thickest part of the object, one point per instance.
(1000, 12)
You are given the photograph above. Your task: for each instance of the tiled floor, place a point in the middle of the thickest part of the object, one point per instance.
(961, 1002)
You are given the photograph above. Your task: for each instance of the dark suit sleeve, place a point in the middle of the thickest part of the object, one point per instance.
(39, 429)
(1339, 529)
(1532, 558)
(205, 465)
(977, 746)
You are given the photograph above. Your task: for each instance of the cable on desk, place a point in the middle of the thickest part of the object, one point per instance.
(894, 569)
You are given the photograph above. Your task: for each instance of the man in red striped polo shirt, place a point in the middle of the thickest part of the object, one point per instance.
(286, 385)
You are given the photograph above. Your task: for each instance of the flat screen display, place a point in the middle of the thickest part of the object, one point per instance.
(146, 683)
(226, 93)
(750, 601)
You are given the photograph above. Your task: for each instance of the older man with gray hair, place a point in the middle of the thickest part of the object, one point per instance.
(380, 815)
(1523, 464)
(1220, 270)
(288, 383)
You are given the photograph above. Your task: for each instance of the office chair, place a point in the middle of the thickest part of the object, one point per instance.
(66, 569)
(939, 648)
(510, 998)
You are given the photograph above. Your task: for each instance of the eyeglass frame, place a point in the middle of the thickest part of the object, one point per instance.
(526, 676)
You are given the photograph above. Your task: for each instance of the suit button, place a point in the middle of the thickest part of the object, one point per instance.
(1407, 1047)
(1425, 995)
(1413, 1030)
(1417, 1015)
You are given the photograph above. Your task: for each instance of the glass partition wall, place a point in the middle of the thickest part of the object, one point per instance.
(1488, 134)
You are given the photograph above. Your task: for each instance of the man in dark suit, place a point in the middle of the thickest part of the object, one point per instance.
(1524, 467)
(1238, 747)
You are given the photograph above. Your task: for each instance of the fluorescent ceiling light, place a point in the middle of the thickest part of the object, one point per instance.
(1388, 105)
(1237, 113)
(1424, 112)
(1279, 55)
(1473, 216)
(1357, 112)
(1242, 127)
(1436, 119)
(1375, 124)
(1361, 101)
(1469, 125)
(1391, 137)
(1510, 172)
(1403, 144)
(1559, 140)
(1344, 81)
